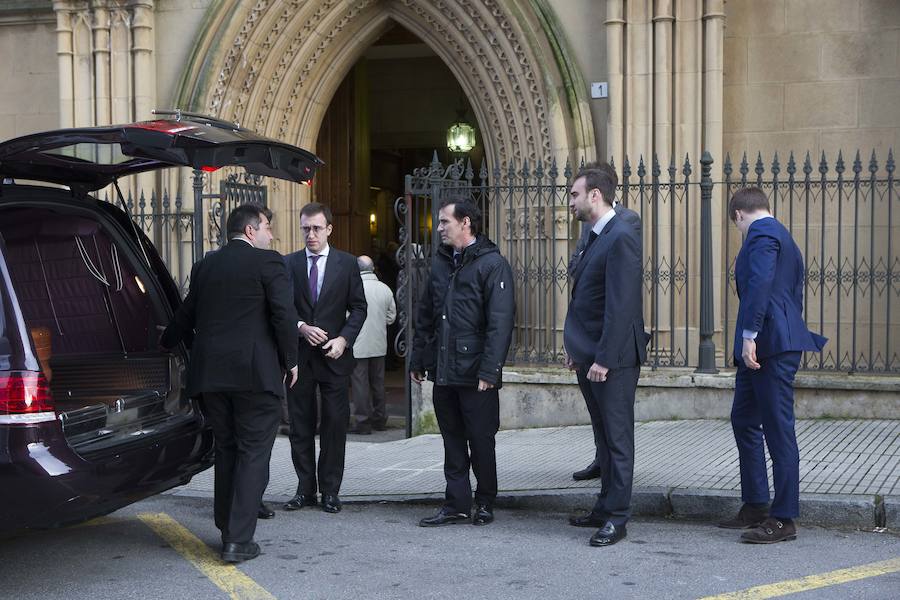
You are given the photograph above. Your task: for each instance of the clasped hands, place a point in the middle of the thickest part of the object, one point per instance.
(316, 336)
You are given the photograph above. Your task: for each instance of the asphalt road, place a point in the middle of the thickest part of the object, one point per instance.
(377, 551)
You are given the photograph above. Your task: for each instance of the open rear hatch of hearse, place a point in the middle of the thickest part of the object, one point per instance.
(93, 292)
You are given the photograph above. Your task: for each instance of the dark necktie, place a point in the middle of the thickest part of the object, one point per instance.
(457, 259)
(592, 237)
(314, 279)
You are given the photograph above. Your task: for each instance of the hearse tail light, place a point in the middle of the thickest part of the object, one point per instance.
(208, 169)
(25, 398)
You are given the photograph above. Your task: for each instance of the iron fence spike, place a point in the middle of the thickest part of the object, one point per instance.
(823, 164)
(807, 164)
(776, 166)
(655, 170)
(890, 161)
(857, 164)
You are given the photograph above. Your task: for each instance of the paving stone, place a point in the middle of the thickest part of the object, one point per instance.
(844, 464)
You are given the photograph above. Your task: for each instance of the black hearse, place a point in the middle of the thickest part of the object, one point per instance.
(93, 415)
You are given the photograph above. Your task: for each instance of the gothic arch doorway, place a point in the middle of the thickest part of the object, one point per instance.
(275, 65)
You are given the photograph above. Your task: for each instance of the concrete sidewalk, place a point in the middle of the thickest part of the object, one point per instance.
(849, 470)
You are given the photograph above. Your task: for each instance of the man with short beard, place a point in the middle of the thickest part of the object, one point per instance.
(605, 343)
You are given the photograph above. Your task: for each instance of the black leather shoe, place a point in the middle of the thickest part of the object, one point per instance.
(591, 472)
(379, 426)
(608, 535)
(299, 501)
(588, 520)
(234, 553)
(445, 516)
(265, 512)
(331, 503)
(483, 515)
(361, 429)
(746, 518)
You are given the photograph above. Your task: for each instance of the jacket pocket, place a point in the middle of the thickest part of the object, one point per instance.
(468, 356)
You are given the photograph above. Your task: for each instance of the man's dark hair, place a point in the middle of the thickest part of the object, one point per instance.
(243, 215)
(315, 208)
(464, 208)
(748, 199)
(600, 176)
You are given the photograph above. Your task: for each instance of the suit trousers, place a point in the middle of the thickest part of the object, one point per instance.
(244, 426)
(763, 409)
(335, 415)
(367, 390)
(469, 421)
(613, 405)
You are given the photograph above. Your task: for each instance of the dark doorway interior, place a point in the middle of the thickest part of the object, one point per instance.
(389, 116)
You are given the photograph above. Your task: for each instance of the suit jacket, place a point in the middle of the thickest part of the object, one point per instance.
(628, 215)
(605, 321)
(769, 277)
(245, 327)
(340, 309)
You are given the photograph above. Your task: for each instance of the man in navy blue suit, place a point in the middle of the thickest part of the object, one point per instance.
(605, 341)
(769, 339)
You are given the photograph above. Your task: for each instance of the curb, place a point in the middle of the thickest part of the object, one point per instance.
(824, 510)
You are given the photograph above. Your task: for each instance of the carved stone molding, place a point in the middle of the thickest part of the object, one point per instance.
(287, 55)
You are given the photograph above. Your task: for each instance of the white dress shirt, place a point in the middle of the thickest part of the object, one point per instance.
(320, 266)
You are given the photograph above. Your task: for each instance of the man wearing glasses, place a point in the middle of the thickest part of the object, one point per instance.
(331, 305)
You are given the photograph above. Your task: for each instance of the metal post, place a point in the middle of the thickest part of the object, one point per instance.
(198, 214)
(707, 362)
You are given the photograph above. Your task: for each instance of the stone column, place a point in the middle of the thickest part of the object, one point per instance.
(83, 62)
(65, 55)
(713, 82)
(638, 81)
(663, 22)
(144, 62)
(101, 63)
(615, 56)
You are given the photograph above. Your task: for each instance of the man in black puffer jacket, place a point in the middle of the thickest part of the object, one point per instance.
(464, 327)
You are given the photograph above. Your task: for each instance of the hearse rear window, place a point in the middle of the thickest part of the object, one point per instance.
(100, 154)
(77, 289)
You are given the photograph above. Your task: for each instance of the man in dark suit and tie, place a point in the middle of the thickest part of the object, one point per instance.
(605, 342)
(245, 340)
(331, 304)
(769, 339)
(592, 471)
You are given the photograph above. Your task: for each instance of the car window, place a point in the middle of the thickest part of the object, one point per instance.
(12, 355)
(101, 154)
(78, 289)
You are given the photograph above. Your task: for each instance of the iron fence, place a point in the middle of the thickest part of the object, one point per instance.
(844, 224)
(171, 229)
(177, 234)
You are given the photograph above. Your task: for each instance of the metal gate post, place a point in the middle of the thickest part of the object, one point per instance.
(198, 214)
(707, 360)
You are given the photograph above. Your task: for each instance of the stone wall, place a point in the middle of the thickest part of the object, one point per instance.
(551, 398)
(817, 75)
(29, 96)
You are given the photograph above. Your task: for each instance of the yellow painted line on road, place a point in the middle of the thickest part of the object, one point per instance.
(227, 577)
(101, 521)
(813, 582)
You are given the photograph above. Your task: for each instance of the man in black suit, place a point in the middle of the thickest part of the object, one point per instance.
(244, 325)
(331, 303)
(605, 342)
(592, 471)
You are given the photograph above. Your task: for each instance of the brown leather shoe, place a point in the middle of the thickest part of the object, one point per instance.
(746, 518)
(770, 531)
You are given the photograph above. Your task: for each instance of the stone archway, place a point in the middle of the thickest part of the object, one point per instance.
(274, 65)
